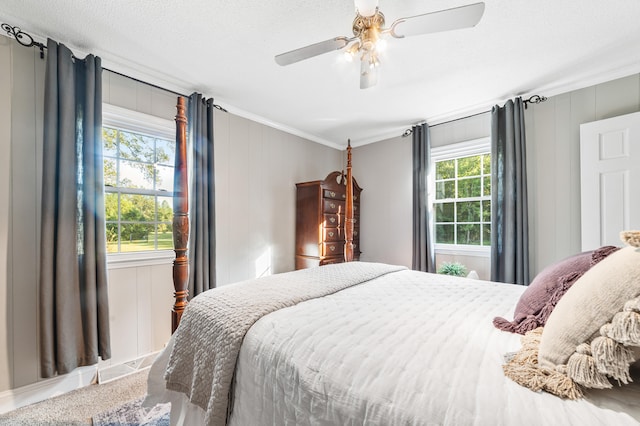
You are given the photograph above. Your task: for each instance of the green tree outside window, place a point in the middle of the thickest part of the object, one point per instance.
(462, 203)
(138, 175)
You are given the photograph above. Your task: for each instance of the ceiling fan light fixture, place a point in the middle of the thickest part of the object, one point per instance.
(366, 7)
(352, 51)
(374, 62)
(381, 45)
(369, 30)
(369, 59)
(368, 70)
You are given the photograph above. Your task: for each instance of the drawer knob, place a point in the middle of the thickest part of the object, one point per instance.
(332, 220)
(332, 248)
(331, 234)
(333, 194)
(332, 205)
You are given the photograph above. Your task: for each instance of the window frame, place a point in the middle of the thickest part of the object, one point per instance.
(150, 125)
(448, 152)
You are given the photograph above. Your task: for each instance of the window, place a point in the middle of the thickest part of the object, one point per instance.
(139, 156)
(461, 191)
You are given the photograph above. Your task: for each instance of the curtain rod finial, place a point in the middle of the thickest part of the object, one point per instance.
(23, 38)
(535, 99)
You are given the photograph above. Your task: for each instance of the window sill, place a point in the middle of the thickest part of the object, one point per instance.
(143, 258)
(478, 251)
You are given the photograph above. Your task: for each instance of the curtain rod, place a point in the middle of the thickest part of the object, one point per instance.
(535, 99)
(216, 106)
(27, 40)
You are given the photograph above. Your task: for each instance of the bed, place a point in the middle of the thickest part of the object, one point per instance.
(357, 343)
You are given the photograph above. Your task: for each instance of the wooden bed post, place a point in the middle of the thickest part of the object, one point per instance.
(348, 217)
(180, 218)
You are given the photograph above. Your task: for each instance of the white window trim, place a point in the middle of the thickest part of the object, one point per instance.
(447, 152)
(137, 122)
(141, 123)
(479, 251)
(460, 149)
(140, 258)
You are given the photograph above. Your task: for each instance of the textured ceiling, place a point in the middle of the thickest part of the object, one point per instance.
(225, 50)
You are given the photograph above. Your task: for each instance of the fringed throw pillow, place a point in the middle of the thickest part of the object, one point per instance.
(544, 292)
(589, 338)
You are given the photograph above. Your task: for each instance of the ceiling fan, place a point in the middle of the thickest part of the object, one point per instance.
(368, 30)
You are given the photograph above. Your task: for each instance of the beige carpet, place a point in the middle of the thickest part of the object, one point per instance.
(77, 407)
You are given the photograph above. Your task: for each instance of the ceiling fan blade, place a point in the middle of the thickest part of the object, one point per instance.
(443, 20)
(311, 50)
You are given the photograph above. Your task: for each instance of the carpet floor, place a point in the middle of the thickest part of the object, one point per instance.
(79, 406)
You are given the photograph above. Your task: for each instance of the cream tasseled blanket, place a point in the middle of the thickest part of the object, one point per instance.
(211, 331)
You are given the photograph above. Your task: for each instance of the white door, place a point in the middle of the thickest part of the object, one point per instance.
(610, 179)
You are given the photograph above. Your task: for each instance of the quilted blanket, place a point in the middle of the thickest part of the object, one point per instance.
(208, 340)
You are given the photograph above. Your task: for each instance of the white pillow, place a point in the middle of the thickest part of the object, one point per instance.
(593, 334)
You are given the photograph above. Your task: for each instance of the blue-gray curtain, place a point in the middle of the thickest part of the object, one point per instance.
(74, 311)
(423, 250)
(509, 217)
(202, 240)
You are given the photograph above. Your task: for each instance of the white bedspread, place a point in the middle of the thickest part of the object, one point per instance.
(405, 349)
(213, 326)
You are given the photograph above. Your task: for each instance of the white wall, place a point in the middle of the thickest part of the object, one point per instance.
(384, 172)
(21, 85)
(257, 168)
(553, 162)
(553, 166)
(6, 299)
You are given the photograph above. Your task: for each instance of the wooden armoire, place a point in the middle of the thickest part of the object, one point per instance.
(320, 208)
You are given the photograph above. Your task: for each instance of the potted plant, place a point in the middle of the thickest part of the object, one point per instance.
(453, 268)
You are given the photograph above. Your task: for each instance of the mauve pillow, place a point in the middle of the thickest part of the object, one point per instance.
(544, 292)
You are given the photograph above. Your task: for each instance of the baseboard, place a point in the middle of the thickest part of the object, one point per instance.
(80, 377)
(45, 389)
(108, 374)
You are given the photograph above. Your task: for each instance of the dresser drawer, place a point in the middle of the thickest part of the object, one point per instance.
(332, 234)
(330, 205)
(331, 220)
(334, 195)
(332, 248)
(337, 195)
